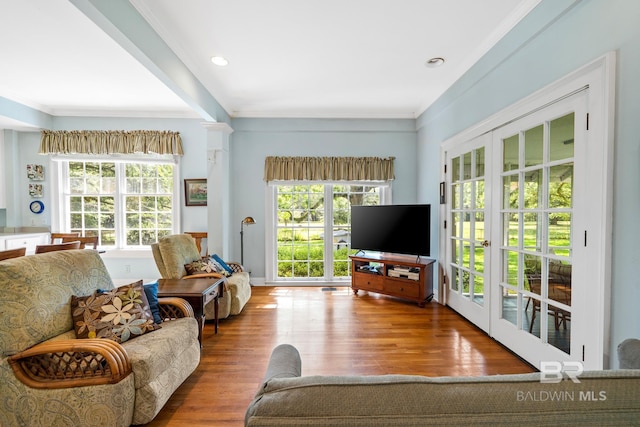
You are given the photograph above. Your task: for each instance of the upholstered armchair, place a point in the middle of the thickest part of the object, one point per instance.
(50, 377)
(173, 253)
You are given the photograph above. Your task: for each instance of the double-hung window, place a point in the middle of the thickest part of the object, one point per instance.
(127, 201)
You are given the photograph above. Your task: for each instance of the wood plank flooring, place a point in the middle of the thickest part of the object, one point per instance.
(336, 333)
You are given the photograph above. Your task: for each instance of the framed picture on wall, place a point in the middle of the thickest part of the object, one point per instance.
(195, 192)
(35, 172)
(35, 190)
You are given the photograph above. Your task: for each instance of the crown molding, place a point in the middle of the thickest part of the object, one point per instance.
(218, 127)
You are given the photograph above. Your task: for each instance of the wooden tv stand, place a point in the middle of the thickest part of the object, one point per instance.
(396, 275)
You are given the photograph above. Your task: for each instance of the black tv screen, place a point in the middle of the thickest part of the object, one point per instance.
(400, 229)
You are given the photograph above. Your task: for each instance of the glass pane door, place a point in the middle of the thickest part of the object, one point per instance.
(536, 220)
(313, 229)
(345, 196)
(468, 244)
(300, 231)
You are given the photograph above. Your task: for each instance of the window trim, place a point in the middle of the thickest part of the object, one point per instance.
(59, 167)
(271, 222)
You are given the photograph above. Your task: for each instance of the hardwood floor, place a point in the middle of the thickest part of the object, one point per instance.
(336, 333)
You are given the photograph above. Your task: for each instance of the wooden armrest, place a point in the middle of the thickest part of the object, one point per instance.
(174, 308)
(71, 363)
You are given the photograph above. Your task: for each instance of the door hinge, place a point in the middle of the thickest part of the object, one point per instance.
(587, 121)
(583, 353)
(585, 238)
(445, 168)
(445, 224)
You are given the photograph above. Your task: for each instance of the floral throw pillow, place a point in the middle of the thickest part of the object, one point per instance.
(204, 265)
(119, 314)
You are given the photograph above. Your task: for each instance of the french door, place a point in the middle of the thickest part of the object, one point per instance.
(469, 229)
(311, 228)
(541, 178)
(517, 218)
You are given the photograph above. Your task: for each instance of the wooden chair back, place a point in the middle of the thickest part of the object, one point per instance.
(12, 253)
(59, 236)
(87, 241)
(57, 247)
(198, 236)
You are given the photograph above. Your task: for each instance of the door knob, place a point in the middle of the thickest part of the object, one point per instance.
(486, 243)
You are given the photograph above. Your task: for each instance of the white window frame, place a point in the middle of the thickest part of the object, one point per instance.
(59, 182)
(271, 220)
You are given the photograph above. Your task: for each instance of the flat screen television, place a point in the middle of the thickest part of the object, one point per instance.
(399, 229)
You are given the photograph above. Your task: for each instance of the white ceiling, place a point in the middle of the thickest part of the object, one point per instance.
(287, 58)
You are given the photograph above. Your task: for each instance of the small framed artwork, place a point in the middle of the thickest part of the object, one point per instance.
(35, 190)
(195, 192)
(35, 172)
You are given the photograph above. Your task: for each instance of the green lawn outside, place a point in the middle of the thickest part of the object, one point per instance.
(559, 242)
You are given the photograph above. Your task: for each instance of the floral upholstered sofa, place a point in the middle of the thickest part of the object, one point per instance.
(51, 378)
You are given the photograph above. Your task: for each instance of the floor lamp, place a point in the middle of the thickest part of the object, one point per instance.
(247, 221)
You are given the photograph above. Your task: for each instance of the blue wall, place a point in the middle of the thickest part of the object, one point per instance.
(255, 139)
(555, 39)
(251, 141)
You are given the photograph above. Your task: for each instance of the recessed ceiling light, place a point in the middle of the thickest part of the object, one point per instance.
(220, 61)
(434, 62)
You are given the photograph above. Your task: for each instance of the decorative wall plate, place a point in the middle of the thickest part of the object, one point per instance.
(37, 207)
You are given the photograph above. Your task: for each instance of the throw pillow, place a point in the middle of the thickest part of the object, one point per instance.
(151, 292)
(119, 314)
(221, 270)
(223, 264)
(204, 265)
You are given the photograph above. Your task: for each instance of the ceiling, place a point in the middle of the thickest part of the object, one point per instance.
(287, 58)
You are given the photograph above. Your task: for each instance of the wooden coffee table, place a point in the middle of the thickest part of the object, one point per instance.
(197, 292)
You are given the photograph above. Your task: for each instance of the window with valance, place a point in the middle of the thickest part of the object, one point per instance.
(309, 212)
(121, 186)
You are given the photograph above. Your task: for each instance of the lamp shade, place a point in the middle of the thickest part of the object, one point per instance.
(248, 220)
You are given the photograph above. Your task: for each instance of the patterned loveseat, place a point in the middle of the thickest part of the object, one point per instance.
(50, 378)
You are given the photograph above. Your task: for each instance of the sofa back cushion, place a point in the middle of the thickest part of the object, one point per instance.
(35, 294)
(608, 398)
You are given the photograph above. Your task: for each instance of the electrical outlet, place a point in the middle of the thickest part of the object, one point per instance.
(127, 268)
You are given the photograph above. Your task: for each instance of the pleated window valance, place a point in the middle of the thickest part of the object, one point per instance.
(328, 169)
(110, 142)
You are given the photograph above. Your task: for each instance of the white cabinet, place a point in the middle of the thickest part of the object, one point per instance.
(29, 241)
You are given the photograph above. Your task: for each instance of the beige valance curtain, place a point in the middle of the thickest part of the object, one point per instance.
(110, 142)
(328, 169)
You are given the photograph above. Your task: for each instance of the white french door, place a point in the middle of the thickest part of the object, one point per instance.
(468, 229)
(526, 247)
(541, 182)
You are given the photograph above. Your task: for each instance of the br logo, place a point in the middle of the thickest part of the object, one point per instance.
(554, 372)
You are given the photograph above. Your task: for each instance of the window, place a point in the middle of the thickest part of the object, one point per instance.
(304, 215)
(127, 204)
